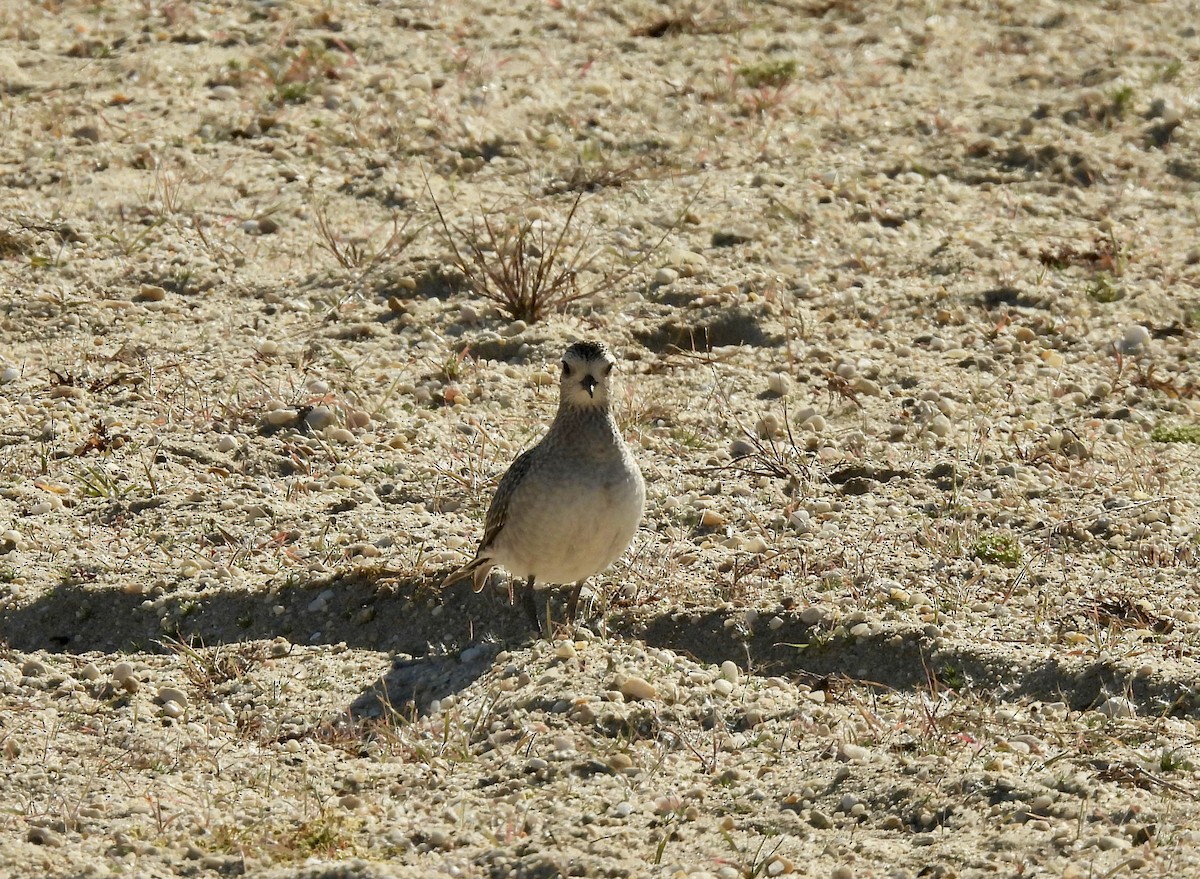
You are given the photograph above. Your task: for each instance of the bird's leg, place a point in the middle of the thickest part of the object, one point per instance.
(573, 601)
(530, 602)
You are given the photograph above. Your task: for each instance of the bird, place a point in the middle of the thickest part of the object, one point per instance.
(568, 507)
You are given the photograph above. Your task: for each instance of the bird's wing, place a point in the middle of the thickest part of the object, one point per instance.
(497, 513)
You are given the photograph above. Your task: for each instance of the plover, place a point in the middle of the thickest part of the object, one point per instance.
(568, 507)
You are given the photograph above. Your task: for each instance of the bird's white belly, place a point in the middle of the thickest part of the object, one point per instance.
(567, 536)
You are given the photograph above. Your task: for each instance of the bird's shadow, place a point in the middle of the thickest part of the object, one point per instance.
(443, 640)
(429, 632)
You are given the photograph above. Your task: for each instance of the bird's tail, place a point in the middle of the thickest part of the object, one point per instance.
(478, 569)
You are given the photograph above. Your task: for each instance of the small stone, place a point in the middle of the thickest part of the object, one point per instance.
(173, 709)
(1135, 338)
(1116, 707)
(635, 689)
(665, 277)
(172, 694)
(44, 836)
(619, 761)
(32, 668)
(730, 671)
(852, 753)
(810, 616)
(722, 687)
(150, 293)
(320, 417)
(741, 448)
(121, 671)
(819, 819)
(778, 384)
(711, 519)
(89, 672)
(226, 443)
(281, 417)
(939, 425)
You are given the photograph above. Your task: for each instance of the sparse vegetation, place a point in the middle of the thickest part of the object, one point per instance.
(768, 74)
(998, 549)
(1176, 433)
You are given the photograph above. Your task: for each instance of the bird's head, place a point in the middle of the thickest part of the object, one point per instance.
(586, 367)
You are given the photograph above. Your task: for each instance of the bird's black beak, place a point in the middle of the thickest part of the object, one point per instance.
(589, 385)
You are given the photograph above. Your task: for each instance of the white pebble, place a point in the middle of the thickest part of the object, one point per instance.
(1116, 707)
(281, 417)
(226, 443)
(939, 425)
(1135, 338)
(172, 694)
(730, 671)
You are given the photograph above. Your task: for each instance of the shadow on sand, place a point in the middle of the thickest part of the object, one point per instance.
(430, 633)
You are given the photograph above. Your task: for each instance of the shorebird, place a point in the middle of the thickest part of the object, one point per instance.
(568, 507)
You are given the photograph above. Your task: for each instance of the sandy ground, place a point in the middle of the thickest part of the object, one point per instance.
(905, 299)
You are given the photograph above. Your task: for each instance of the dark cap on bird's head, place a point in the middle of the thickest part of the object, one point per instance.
(589, 350)
(586, 367)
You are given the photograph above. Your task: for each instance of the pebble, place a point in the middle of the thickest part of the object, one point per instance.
(731, 672)
(1136, 337)
(636, 689)
(665, 277)
(810, 616)
(1116, 707)
(819, 819)
(172, 694)
(122, 671)
(318, 417)
(226, 443)
(852, 753)
(282, 417)
(778, 384)
(44, 836)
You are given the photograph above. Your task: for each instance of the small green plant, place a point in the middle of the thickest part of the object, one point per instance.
(1121, 101)
(1169, 71)
(998, 549)
(1103, 289)
(1176, 433)
(768, 74)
